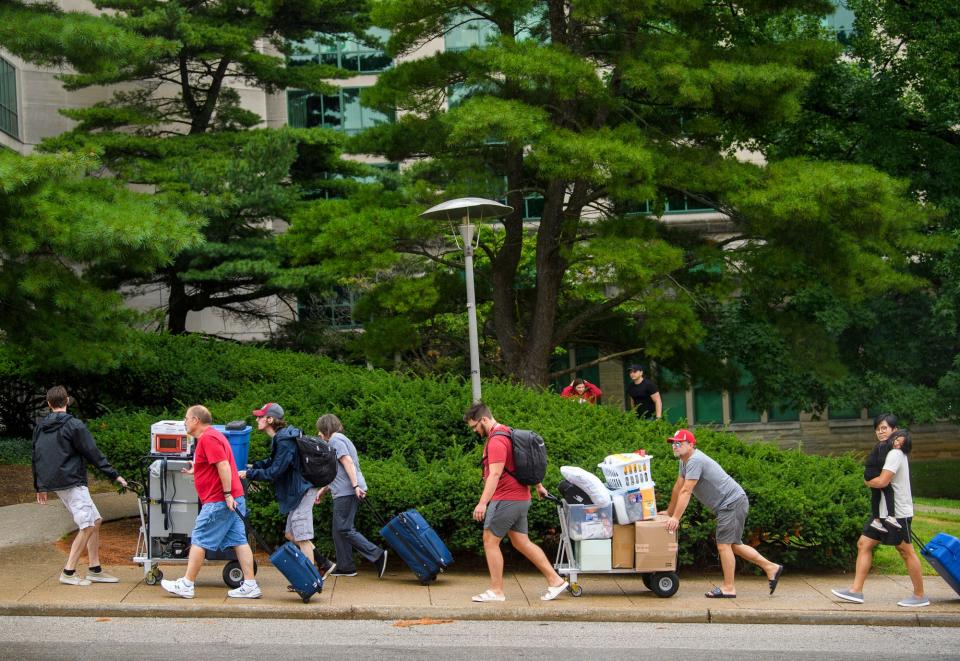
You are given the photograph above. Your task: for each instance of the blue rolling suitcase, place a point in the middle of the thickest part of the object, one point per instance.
(293, 564)
(412, 538)
(943, 554)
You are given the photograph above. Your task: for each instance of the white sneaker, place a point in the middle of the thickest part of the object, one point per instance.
(101, 577)
(178, 587)
(892, 522)
(246, 592)
(877, 525)
(73, 580)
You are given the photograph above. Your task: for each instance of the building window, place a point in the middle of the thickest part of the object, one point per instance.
(673, 395)
(675, 203)
(8, 99)
(469, 33)
(335, 310)
(344, 52)
(341, 111)
(707, 405)
(740, 409)
(840, 22)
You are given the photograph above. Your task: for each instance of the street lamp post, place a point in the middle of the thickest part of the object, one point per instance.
(467, 210)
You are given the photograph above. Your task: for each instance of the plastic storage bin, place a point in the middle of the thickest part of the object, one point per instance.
(589, 522)
(626, 470)
(635, 503)
(593, 554)
(239, 439)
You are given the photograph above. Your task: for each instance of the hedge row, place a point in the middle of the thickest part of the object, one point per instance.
(415, 451)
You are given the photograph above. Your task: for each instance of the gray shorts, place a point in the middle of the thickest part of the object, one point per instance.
(730, 522)
(78, 502)
(506, 515)
(300, 518)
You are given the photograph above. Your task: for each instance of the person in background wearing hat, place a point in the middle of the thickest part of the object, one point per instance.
(644, 393)
(295, 495)
(582, 391)
(217, 527)
(702, 477)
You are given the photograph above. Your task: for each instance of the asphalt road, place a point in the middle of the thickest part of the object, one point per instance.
(103, 639)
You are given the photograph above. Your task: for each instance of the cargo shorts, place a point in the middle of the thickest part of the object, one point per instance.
(731, 520)
(78, 502)
(300, 518)
(506, 515)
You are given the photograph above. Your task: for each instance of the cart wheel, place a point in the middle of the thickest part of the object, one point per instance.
(153, 577)
(575, 589)
(305, 597)
(425, 581)
(647, 582)
(232, 574)
(665, 584)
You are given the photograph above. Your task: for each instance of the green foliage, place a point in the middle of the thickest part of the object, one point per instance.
(416, 452)
(935, 479)
(60, 227)
(16, 451)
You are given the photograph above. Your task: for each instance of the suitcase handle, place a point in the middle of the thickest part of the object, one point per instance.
(249, 527)
(383, 522)
(916, 539)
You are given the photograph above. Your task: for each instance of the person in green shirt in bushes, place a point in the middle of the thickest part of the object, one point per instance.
(703, 477)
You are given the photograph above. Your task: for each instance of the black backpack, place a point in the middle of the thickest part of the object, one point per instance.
(318, 461)
(529, 456)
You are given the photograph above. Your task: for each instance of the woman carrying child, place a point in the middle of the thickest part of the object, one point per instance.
(896, 473)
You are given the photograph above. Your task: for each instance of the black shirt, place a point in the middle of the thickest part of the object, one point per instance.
(642, 396)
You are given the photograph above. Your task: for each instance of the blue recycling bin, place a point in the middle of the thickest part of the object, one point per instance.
(239, 440)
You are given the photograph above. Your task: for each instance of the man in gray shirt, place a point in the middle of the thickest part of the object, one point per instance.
(702, 477)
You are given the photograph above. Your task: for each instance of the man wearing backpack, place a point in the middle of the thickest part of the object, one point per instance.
(503, 507)
(62, 446)
(295, 495)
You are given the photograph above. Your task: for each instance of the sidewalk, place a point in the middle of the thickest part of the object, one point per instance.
(29, 573)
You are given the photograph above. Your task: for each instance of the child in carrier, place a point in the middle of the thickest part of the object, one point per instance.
(898, 440)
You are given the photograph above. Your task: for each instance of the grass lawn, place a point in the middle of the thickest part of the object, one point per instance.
(886, 560)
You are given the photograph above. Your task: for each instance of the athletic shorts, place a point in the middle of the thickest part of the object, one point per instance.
(218, 527)
(892, 537)
(300, 518)
(78, 502)
(730, 522)
(506, 515)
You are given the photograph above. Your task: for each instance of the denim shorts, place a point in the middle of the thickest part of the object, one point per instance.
(218, 527)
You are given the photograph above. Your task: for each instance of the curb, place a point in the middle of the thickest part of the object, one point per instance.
(181, 610)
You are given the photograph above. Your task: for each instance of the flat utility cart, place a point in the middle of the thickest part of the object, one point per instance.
(169, 505)
(661, 578)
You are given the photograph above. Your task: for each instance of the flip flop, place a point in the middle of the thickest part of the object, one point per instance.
(776, 579)
(553, 592)
(488, 596)
(717, 593)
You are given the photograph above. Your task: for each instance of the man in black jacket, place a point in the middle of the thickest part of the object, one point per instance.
(62, 446)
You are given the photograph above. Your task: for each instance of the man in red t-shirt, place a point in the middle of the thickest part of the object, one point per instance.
(221, 493)
(503, 507)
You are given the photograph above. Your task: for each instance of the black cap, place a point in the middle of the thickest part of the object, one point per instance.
(636, 367)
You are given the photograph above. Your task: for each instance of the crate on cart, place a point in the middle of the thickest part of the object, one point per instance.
(626, 470)
(660, 578)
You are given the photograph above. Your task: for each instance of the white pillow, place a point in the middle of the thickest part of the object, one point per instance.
(589, 483)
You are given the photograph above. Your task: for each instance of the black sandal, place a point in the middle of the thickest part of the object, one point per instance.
(717, 593)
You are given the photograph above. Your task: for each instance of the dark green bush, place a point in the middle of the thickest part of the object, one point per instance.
(415, 451)
(936, 478)
(16, 451)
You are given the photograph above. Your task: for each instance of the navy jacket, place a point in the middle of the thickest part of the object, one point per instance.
(283, 469)
(62, 446)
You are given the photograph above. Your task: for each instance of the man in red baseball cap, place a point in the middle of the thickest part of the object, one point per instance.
(702, 477)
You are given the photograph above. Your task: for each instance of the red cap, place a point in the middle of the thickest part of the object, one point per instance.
(683, 436)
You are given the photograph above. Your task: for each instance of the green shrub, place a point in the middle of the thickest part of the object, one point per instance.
(16, 451)
(936, 478)
(805, 511)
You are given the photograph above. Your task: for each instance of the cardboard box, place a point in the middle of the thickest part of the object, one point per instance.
(655, 548)
(593, 554)
(623, 546)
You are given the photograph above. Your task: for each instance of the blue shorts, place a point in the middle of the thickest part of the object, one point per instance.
(218, 527)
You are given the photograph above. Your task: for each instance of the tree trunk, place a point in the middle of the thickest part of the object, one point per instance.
(178, 306)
